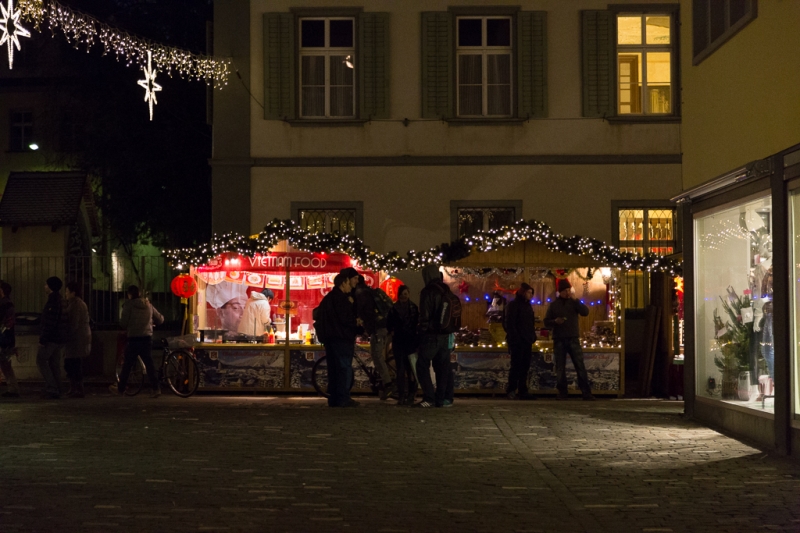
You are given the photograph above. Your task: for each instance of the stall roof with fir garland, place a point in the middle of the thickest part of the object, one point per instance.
(446, 253)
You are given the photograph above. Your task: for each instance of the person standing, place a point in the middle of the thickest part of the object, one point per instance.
(8, 340)
(562, 317)
(434, 345)
(402, 324)
(256, 317)
(138, 317)
(520, 336)
(78, 340)
(375, 325)
(52, 338)
(335, 324)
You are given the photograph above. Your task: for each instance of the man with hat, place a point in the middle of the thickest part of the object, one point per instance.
(562, 318)
(52, 338)
(229, 300)
(520, 336)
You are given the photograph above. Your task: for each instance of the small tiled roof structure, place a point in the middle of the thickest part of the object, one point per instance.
(45, 199)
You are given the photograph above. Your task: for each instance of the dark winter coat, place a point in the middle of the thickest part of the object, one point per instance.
(402, 324)
(365, 310)
(570, 309)
(519, 322)
(339, 318)
(79, 334)
(430, 301)
(54, 320)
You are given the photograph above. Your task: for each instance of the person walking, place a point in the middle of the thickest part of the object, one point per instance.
(402, 325)
(375, 323)
(51, 339)
(256, 318)
(78, 340)
(138, 317)
(335, 325)
(434, 347)
(562, 318)
(520, 336)
(8, 340)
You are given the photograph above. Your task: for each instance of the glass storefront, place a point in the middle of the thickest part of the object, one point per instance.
(794, 235)
(734, 334)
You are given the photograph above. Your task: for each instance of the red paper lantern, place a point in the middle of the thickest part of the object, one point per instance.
(184, 286)
(390, 286)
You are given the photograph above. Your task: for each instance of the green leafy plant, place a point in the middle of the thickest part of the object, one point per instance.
(733, 335)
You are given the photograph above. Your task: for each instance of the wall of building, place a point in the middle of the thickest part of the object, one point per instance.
(741, 103)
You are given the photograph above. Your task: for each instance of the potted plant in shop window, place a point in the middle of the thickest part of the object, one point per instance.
(733, 337)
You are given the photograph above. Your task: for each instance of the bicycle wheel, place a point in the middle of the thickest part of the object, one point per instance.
(181, 373)
(319, 376)
(135, 378)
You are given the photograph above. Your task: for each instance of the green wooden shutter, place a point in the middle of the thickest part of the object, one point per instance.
(372, 65)
(532, 64)
(599, 64)
(437, 64)
(279, 66)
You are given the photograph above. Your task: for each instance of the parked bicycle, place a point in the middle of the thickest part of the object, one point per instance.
(178, 370)
(319, 372)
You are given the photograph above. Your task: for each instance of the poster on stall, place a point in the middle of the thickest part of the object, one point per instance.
(256, 369)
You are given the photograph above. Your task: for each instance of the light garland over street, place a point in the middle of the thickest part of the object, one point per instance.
(11, 30)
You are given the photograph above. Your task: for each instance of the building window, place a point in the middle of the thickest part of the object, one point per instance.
(327, 67)
(716, 21)
(21, 131)
(470, 216)
(644, 64)
(340, 218)
(483, 64)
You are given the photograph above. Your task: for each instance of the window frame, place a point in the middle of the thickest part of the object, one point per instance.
(358, 206)
(457, 205)
(484, 50)
(23, 125)
(673, 11)
(698, 56)
(327, 52)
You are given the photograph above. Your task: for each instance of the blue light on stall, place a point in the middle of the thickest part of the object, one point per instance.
(466, 298)
(548, 300)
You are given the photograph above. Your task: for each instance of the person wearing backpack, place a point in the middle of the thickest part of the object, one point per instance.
(335, 324)
(520, 336)
(8, 340)
(439, 317)
(52, 339)
(373, 307)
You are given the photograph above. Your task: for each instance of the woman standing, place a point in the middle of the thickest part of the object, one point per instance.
(79, 339)
(402, 323)
(138, 317)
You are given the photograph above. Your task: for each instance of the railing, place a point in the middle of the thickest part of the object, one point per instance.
(103, 279)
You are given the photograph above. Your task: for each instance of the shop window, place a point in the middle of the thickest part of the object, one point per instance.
(735, 356)
(716, 21)
(341, 218)
(644, 64)
(20, 131)
(630, 63)
(469, 217)
(314, 71)
(484, 65)
(794, 238)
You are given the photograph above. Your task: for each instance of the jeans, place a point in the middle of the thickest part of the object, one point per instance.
(138, 347)
(521, 354)
(406, 384)
(378, 342)
(48, 359)
(340, 371)
(572, 346)
(435, 349)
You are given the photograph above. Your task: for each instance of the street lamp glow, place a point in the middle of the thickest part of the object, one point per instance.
(33, 146)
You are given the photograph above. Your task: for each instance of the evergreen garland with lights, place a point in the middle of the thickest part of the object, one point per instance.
(446, 253)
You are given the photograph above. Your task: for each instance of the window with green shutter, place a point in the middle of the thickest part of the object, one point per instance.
(326, 65)
(598, 63)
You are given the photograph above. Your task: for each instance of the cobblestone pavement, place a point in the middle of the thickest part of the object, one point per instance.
(257, 463)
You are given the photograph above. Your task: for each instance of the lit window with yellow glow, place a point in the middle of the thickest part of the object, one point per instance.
(644, 64)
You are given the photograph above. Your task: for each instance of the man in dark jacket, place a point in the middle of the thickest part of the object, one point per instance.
(520, 336)
(376, 327)
(434, 345)
(7, 340)
(51, 340)
(339, 337)
(562, 317)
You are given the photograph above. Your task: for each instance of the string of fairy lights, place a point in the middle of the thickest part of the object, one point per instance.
(82, 29)
(446, 253)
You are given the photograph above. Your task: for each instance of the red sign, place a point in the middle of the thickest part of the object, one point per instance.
(279, 262)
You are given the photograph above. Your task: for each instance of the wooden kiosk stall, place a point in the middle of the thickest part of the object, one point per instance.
(486, 281)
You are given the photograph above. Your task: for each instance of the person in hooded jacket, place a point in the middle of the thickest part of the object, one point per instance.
(520, 336)
(79, 338)
(138, 317)
(256, 317)
(434, 345)
(402, 324)
(7, 339)
(52, 338)
(376, 328)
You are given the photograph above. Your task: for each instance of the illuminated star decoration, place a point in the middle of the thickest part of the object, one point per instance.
(10, 18)
(149, 83)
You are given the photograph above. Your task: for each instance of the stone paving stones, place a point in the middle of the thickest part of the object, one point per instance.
(217, 463)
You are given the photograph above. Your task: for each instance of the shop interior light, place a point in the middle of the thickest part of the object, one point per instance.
(33, 146)
(348, 60)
